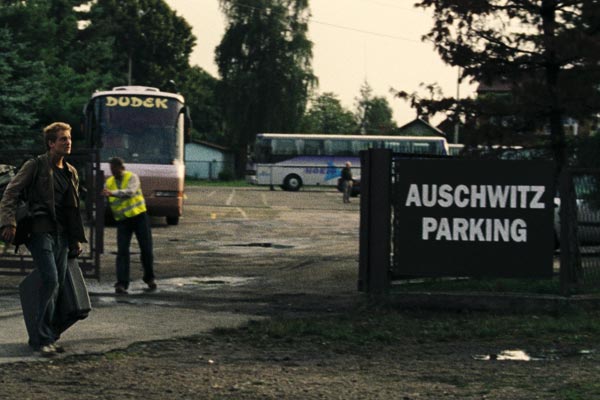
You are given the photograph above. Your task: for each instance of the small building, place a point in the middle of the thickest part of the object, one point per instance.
(419, 127)
(204, 160)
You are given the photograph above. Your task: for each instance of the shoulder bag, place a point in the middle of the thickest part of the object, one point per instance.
(23, 214)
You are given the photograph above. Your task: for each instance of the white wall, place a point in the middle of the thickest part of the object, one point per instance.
(203, 162)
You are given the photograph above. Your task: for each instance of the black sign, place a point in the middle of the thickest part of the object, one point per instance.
(474, 218)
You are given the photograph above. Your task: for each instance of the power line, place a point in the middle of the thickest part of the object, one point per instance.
(365, 31)
(348, 28)
(390, 5)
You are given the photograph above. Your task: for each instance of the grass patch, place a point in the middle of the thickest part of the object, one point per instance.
(580, 391)
(203, 182)
(491, 285)
(533, 286)
(388, 326)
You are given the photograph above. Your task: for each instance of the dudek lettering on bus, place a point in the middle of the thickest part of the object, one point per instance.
(132, 101)
(474, 218)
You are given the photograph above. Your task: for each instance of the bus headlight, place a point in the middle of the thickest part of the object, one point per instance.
(166, 193)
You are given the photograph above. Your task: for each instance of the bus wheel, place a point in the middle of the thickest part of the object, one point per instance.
(292, 183)
(172, 220)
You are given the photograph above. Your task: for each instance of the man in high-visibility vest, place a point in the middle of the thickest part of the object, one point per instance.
(128, 207)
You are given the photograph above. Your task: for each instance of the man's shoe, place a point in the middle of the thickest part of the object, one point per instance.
(120, 289)
(58, 348)
(151, 285)
(47, 351)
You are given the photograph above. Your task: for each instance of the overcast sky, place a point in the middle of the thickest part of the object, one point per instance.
(354, 40)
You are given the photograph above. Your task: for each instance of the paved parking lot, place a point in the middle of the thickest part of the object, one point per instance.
(236, 254)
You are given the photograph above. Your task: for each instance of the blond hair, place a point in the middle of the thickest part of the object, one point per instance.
(51, 131)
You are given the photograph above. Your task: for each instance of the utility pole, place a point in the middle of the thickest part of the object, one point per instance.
(457, 122)
(129, 68)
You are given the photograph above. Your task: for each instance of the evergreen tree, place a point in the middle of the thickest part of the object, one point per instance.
(199, 90)
(21, 95)
(373, 113)
(151, 44)
(48, 32)
(545, 50)
(264, 61)
(327, 115)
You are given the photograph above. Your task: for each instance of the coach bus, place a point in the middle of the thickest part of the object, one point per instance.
(147, 128)
(294, 160)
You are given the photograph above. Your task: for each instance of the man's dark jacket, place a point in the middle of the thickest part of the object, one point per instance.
(42, 198)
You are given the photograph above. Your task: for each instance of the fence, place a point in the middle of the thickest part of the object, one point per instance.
(92, 207)
(585, 258)
(379, 257)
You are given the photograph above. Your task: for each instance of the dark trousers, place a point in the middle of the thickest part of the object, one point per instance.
(49, 252)
(140, 225)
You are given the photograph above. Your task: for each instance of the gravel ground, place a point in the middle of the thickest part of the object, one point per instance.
(225, 367)
(306, 265)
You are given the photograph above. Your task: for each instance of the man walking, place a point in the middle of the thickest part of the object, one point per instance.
(347, 181)
(57, 228)
(128, 207)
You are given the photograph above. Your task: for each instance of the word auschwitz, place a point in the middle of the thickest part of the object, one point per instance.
(475, 196)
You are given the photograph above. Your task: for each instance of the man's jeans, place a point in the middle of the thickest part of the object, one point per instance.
(49, 251)
(346, 189)
(140, 225)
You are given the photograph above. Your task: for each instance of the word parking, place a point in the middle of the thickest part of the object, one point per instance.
(475, 197)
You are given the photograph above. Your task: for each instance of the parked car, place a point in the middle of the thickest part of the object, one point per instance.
(587, 192)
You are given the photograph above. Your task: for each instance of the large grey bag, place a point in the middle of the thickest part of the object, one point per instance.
(73, 300)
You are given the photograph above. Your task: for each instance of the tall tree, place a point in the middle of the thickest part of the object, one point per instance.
(327, 115)
(48, 32)
(151, 44)
(264, 60)
(373, 113)
(547, 49)
(199, 89)
(20, 97)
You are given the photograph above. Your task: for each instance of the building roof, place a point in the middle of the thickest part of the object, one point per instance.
(419, 123)
(211, 145)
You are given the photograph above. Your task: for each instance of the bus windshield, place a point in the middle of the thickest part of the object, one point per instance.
(139, 129)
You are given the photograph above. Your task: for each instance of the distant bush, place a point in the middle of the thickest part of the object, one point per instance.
(226, 175)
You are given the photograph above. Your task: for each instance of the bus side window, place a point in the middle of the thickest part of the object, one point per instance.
(313, 147)
(394, 146)
(359, 145)
(422, 148)
(284, 147)
(340, 147)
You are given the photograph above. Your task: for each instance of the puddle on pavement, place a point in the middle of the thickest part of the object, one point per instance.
(265, 245)
(506, 355)
(113, 300)
(521, 355)
(206, 282)
(180, 284)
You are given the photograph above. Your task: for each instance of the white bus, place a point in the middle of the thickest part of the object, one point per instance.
(147, 129)
(294, 160)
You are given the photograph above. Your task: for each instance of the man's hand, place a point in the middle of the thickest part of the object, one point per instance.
(75, 251)
(106, 193)
(8, 233)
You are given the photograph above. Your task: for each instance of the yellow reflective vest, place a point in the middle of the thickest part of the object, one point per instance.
(125, 207)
